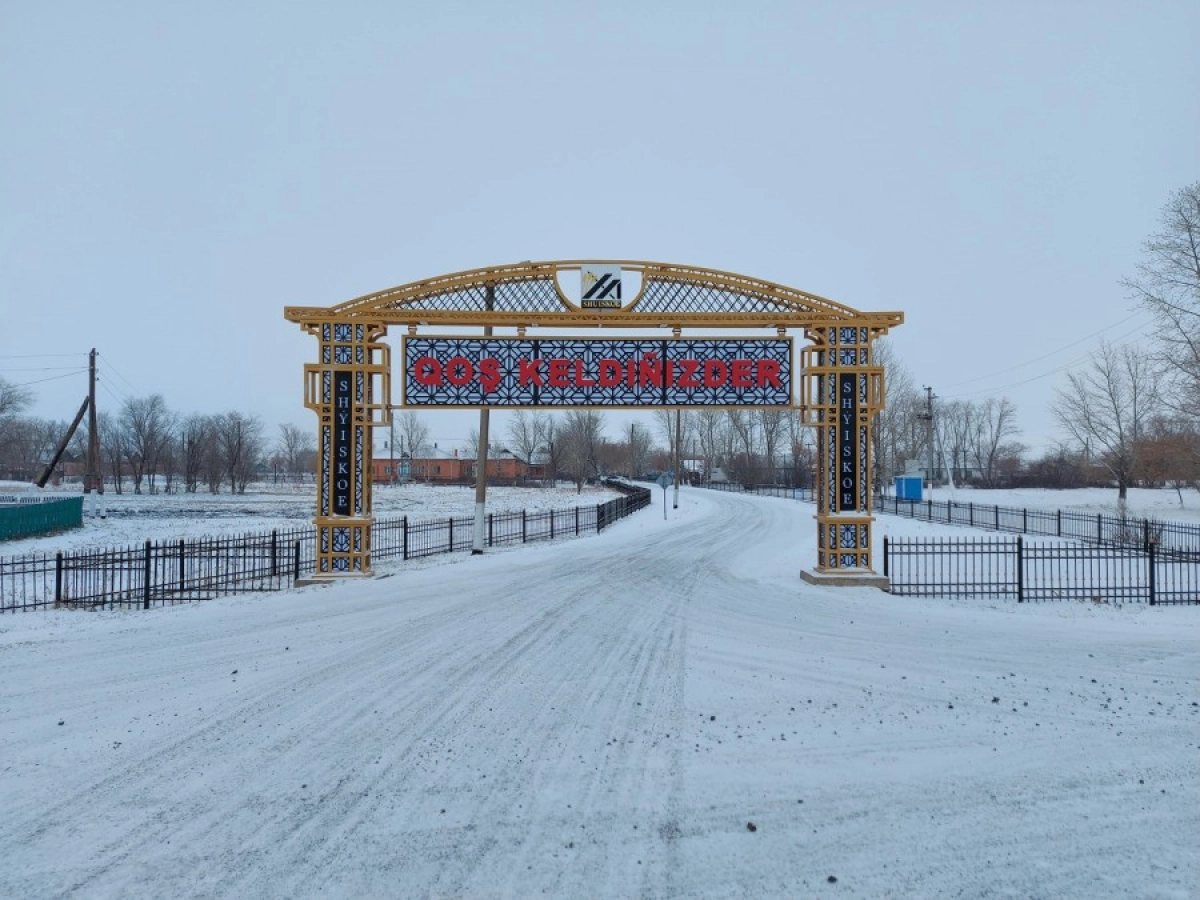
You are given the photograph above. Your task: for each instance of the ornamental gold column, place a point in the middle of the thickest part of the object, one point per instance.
(842, 392)
(350, 391)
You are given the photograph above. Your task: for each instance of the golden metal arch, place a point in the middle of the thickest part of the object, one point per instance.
(842, 388)
(528, 294)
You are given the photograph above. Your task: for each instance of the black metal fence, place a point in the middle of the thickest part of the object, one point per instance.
(1014, 568)
(1091, 528)
(762, 490)
(166, 572)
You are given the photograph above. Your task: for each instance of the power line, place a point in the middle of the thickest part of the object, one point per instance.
(51, 378)
(40, 369)
(38, 355)
(1054, 352)
(115, 372)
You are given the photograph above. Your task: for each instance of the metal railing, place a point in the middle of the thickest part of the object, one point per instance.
(1015, 568)
(167, 572)
(1092, 528)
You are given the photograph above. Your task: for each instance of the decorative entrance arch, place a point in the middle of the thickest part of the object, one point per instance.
(350, 387)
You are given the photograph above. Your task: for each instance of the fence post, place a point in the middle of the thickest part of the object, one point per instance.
(58, 578)
(404, 530)
(1020, 570)
(1024, 521)
(182, 564)
(885, 556)
(1150, 555)
(489, 529)
(451, 523)
(1146, 533)
(599, 517)
(1099, 528)
(997, 517)
(577, 521)
(146, 583)
(296, 562)
(1058, 523)
(274, 551)
(523, 531)
(971, 514)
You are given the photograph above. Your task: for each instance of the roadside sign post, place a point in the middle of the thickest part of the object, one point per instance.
(664, 482)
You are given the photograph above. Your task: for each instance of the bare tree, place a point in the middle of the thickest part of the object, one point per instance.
(802, 451)
(955, 424)
(771, 426)
(147, 425)
(1107, 407)
(895, 436)
(296, 448)
(527, 433)
(743, 456)
(14, 399)
(112, 449)
(995, 425)
(1168, 285)
(579, 441)
(637, 448)
(239, 446)
(711, 426)
(414, 434)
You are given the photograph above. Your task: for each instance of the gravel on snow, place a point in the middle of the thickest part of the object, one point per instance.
(662, 710)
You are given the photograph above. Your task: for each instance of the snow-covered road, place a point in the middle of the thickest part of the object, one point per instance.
(663, 710)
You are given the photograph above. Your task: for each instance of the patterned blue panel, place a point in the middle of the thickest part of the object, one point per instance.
(326, 466)
(864, 481)
(848, 561)
(341, 540)
(343, 355)
(849, 335)
(343, 333)
(848, 538)
(341, 564)
(326, 333)
(848, 357)
(358, 469)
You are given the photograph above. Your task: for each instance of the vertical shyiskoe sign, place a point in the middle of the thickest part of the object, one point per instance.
(847, 444)
(343, 413)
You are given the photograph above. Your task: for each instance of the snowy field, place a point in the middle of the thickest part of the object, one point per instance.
(123, 520)
(661, 710)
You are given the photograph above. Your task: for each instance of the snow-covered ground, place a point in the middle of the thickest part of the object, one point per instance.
(661, 710)
(125, 520)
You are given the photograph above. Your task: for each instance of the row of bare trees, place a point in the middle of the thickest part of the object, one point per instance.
(148, 448)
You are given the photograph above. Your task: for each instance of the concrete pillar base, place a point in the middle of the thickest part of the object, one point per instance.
(848, 579)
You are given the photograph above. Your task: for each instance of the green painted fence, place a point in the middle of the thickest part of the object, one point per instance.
(39, 518)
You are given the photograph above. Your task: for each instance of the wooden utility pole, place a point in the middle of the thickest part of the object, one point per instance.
(480, 535)
(92, 478)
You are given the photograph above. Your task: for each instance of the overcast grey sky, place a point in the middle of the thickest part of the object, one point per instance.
(173, 174)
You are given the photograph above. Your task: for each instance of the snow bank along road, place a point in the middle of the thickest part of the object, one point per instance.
(663, 710)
